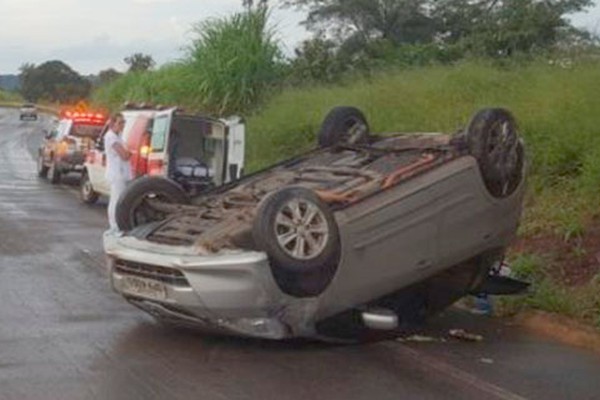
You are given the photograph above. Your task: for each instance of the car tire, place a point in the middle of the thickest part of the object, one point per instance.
(344, 125)
(87, 194)
(493, 140)
(284, 222)
(133, 210)
(42, 170)
(54, 173)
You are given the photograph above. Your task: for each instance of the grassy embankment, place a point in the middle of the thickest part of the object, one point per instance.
(558, 111)
(9, 97)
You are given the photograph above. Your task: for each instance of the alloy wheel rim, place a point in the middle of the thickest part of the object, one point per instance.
(301, 229)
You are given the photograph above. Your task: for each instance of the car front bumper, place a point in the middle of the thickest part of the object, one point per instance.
(231, 292)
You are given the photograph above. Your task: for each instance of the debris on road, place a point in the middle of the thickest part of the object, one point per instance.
(421, 339)
(464, 335)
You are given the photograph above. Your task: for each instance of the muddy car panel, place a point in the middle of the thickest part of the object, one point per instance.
(423, 228)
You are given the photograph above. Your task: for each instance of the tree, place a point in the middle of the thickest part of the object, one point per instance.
(504, 27)
(487, 27)
(107, 76)
(139, 62)
(53, 81)
(399, 21)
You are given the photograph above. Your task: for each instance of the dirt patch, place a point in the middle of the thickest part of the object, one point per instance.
(571, 262)
(561, 328)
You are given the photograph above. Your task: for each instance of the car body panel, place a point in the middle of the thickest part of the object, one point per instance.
(434, 218)
(424, 227)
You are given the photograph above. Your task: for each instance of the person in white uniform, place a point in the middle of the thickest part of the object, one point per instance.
(118, 170)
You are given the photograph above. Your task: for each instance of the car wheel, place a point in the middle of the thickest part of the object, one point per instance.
(492, 139)
(343, 125)
(134, 208)
(54, 173)
(42, 170)
(86, 190)
(299, 233)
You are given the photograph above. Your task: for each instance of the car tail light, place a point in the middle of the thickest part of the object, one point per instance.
(145, 151)
(155, 167)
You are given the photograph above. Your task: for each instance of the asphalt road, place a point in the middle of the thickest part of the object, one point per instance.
(65, 335)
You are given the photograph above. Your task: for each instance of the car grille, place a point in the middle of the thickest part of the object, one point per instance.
(167, 275)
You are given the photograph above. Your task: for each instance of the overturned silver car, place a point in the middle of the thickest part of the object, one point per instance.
(366, 232)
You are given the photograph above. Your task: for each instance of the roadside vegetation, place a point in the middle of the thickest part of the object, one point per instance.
(522, 55)
(9, 97)
(228, 68)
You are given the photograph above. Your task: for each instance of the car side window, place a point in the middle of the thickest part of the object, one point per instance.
(159, 133)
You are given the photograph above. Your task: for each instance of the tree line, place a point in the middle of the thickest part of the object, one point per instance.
(354, 33)
(55, 81)
(240, 54)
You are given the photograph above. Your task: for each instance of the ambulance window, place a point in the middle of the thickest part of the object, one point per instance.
(159, 133)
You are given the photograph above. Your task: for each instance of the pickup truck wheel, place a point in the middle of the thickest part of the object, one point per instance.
(87, 193)
(42, 170)
(54, 174)
(344, 125)
(492, 139)
(134, 208)
(298, 232)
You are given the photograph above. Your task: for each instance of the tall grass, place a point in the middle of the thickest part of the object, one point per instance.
(557, 109)
(236, 60)
(228, 68)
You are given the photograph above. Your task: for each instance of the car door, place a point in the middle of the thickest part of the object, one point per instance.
(53, 143)
(138, 143)
(158, 161)
(96, 164)
(236, 148)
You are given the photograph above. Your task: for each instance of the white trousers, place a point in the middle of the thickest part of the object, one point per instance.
(116, 189)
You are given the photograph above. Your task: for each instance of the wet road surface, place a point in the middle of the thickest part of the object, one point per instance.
(65, 335)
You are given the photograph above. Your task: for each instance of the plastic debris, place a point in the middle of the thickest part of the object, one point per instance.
(464, 335)
(421, 339)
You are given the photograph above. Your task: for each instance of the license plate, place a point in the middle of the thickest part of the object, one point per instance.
(144, 287)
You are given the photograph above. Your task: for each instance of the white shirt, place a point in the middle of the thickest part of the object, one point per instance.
(117, 169)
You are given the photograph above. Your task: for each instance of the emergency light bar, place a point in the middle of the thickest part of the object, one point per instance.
(85, 117)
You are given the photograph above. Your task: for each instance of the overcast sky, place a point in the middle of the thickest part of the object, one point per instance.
(91, 35)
